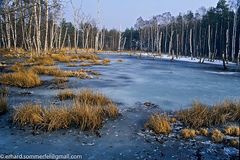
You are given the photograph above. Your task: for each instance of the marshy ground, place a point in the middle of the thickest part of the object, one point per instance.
(147, 93)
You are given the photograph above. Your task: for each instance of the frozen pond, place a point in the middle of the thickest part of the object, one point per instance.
(171, 85)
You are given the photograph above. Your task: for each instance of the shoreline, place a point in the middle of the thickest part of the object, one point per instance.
(167, 57)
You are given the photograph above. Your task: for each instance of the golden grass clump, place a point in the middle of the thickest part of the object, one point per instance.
(200, 115)
(203, 131)
(82, 114)
(106, 106)
(60, 81)
(29, 114)
(106, 61)
(23, 79)
(196, 116)
(46, 70)
(88, 56)
(65, 95)
(234, 143)
(217, 136)
(232, 130)
(90, 97)
(17, 67)
(159, 124)
(41, 60)
(61, 57)
(54, 71)
(86, 117)
(226, 111)
(188, 133)
(172, 120)
(57, 118)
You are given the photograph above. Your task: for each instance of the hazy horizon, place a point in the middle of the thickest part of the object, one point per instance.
(123, 14)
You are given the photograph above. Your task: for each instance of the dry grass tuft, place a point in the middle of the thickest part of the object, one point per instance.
(61, 57)
(23, 79)
(172, 120)
(60, 82)
(57, 118)
(232, 130)
(159, 124)
(106, 61)
(200, 115)
(66, 94)
(217, 136)
(196, 116)
(29, 114)
(54, 71)
(88, 56)
(203, 131)
(17, 67)
(90, 97)
(234, 143)
(41, 60)
(46, 70)
(83, 115)
(86, 117)
(227, 111)
(188, 133)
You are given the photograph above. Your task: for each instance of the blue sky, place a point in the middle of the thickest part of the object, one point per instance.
(123, 13)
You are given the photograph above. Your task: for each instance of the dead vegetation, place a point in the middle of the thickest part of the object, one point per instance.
(232, 130)
(90, 97)
(217, 136)
(60, 82)
(200, 115)
(57, 118)
(29, 114)
(23, 79)
(203, 131)
(17, 67)
(57, 72)
(234, 143)
(61, 57)
(188, 133)
(159, 124)
(3, 101)
(65, 95)
(41, 60)
(82, 114)
(106, 61)
(74, 58)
